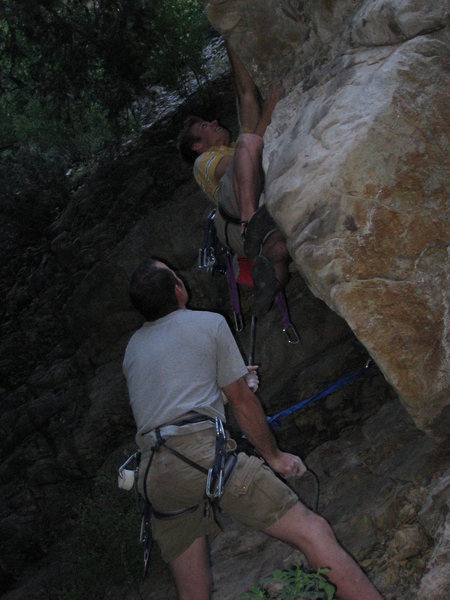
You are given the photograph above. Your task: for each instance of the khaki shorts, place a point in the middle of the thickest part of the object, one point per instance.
(254, 497)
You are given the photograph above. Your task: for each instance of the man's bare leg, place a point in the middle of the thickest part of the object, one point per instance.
(248, 178)
(191, 572)
(315, 538)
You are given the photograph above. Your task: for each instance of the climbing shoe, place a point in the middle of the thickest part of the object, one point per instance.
(257, 229)
(265, 285)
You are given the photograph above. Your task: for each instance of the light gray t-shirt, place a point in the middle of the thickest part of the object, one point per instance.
(177, 364)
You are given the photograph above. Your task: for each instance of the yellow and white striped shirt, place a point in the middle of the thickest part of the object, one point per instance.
(205, 167)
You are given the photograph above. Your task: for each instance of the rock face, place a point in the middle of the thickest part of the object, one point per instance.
(357, 171)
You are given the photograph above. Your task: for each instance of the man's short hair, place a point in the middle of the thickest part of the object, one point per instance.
(152, 290)
(186, 139)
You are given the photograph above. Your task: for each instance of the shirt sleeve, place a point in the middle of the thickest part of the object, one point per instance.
(204, 170)
(230, 364)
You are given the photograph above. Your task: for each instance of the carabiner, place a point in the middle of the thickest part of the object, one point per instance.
(211, 494)
(210, 259)
(238, 322)
(292, 335)
(215, 473)
(200, 259)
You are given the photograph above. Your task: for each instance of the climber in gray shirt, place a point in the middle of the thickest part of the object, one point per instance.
(179, 367)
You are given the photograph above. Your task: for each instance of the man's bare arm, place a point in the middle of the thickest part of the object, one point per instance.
(246, 91)
(273, 97)
(250, 416)
(251, 116)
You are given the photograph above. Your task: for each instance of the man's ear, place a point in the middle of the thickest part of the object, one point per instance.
(197, 147)
(179, 292)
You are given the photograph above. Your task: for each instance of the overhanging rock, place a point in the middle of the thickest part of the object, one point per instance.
(357, 171)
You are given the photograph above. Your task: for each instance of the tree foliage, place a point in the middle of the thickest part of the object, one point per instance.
(70, 69)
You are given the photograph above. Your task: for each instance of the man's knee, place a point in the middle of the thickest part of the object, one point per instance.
(251, 142)
(275, 248)
(195, 593)
(319, 528)
(302, 527)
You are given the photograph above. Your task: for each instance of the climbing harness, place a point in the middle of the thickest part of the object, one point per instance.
(217, 474)
(274, 419)
(216, 478)
(209, 260)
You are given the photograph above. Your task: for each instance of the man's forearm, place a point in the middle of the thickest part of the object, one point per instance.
(273, 97)
(246, 91)
(243, 81)
(251, 419)
(250, 416)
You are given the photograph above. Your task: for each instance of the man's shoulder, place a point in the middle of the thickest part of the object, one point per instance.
(201, 315)
(203, 320)
(215, 152)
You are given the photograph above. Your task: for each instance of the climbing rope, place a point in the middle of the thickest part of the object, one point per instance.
(274, 419)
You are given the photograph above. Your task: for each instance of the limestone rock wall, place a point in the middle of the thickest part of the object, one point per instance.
(357, 170)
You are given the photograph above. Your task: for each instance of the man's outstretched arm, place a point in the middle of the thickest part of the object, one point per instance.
(250, 416)
(246, 91)
(252, 117)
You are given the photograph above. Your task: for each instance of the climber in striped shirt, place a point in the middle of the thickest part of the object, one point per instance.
(231, 176)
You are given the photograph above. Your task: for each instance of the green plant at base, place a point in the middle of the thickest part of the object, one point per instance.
(294, 584)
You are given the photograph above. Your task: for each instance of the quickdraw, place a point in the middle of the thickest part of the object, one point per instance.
(207, 257)
(208, 260)
(215, 479)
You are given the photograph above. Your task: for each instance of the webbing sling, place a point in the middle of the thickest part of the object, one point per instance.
(288, 327)
(233, 292)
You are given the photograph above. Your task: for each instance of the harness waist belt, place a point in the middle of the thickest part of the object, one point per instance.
(182, 429)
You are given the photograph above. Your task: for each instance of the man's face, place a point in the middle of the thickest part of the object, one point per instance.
(209, 133)
(180, 289)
